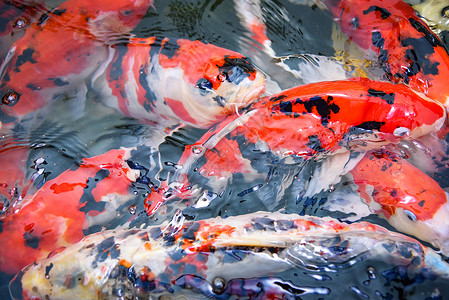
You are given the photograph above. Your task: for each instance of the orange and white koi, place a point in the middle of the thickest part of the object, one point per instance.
(170, 81)
(152, 79)
(304, 122)
(56, 49)
(62, 208)
(218, 258)
(407, 50)
(410, 200)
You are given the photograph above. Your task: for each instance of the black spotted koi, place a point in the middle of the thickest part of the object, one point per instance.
(407, 50)
(217, 258)
(306, 121)
(62, 44)
(167, 81)
(59, 212)
(158, 80)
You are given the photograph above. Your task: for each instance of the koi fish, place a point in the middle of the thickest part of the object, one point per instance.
(64, 43)
(304, 122)
(175, 80)
(407, 50)
(62, 208)
(218, 258)
(153, 79)
(410, 200)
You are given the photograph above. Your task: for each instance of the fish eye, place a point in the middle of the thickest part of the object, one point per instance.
(218, 285)
(204, 84)
(445, 12)
(10, 98)
(411, 216)
(20, 23)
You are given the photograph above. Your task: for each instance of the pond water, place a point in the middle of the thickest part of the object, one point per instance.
(302, 36)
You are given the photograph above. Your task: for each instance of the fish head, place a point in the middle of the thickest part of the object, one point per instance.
(434, 230)
(410, 200)
(203, 83)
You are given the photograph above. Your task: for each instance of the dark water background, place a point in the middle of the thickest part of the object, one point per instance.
(64, 139)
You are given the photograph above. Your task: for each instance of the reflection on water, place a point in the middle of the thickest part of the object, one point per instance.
(302, 37)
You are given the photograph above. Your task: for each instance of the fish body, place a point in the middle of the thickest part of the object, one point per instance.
(406, 49)
(306, 121)
(219, 258)
(168, 81)
(62, 208)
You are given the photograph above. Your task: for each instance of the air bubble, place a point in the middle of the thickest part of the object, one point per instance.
(371, 272)
(218, 285)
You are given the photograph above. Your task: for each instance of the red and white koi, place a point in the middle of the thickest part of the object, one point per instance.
(168, 81)
(62, 208)
(217, 258)
(407, 50)
(307, 121)
(64, 43)
(153, 79)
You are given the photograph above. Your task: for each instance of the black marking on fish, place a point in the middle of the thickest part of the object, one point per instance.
(389, 98)
(25, 57)
(371, 125)
(58, 12)
(1, 226)
(32, 87)
(418, 55)
(323, 107)
(150, 97)
(314, 143)
(263, 224)
(383, 12)
(88, 198)
(286, 107)
(31, 240)
(106, 248)
(167, 48)
(59, 81)
(47, 270)
(44, 17)
(278, 98)
(236, 69)
(377, 39)
(429, 35)
(116, 71)
(6, 119)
